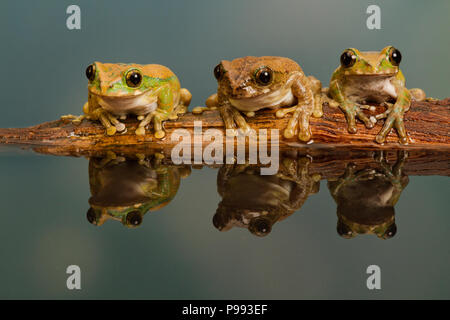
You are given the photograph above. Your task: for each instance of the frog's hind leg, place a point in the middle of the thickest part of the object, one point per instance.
(417, 94)
(185, 97)
(179, 109)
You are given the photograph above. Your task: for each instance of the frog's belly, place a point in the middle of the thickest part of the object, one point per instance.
(272, 100)
(139, 105)
(370, 89)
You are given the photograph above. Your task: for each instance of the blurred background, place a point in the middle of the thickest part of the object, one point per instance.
(177, 253)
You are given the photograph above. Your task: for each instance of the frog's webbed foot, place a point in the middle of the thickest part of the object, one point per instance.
(109, 121)
(76, 120)
(352, 111)
(300, 118)
(394, 118)
(157, 119)
(233, 118)
(179, 109)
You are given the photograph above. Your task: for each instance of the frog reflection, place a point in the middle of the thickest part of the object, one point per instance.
(126, 189)
(257, 202)
(366, 198)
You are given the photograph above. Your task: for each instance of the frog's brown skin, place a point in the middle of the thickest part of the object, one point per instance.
(257, 202)
(126, 189)
(366, 198)
(249, 84)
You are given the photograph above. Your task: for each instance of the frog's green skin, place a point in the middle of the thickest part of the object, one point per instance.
(374, 77)
(158, 97)
(366, 198)
(240, 90)
(257, 202)
(125, 190)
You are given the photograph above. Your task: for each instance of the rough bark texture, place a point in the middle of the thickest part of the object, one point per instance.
(427, 124)
(332, 148)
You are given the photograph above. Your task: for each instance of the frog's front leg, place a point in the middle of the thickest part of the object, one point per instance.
(351, 110)
(301, 112)
(232, 118)
(395, 115)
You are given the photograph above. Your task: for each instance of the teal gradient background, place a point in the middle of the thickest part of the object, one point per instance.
(177, 253)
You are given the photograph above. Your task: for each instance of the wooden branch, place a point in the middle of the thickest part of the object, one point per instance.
(333, 148)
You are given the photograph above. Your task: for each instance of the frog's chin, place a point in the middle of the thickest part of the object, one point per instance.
(271, 100)
(139, 105)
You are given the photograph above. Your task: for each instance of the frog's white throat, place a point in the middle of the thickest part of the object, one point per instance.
(274, 99)
(139, 105)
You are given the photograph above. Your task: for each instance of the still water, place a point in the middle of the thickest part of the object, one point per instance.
(140, 227)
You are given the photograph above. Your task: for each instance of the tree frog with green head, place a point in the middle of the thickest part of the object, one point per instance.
(249, 84)
(372, 76)
(151, 92)
(126, 189)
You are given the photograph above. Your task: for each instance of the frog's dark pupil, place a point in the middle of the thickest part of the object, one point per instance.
(391, 231)
(90, 72)
(347, 59)
(218, 72)
(396, 57)
(134, 79)
(134, 218)
(265, 77)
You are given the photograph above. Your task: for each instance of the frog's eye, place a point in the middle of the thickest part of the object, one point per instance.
(90, 72)
(390, 232)
(218, 72)
(133, 78)
(134, 219)
(264, 76)
(343, 230)
(395, 57)
(260, 226)
(348, 58)
(91, 216)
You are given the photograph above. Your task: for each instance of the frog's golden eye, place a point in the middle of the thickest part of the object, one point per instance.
(90, 72)
(134, 219)
(133, 78)
(264, 76)
(348, 58)
(218, 71)
(395, 57)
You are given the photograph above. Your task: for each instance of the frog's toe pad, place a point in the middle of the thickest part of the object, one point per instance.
(120, 127)
(140, 131)
(288, 133)
(111, 131)
(160, 134)
(380, 139)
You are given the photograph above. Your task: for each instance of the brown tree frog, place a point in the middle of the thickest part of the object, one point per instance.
(373, 77)
(256, 202)
(151, 92)
(249, 84)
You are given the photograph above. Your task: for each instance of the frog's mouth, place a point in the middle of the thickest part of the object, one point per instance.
(139, 105)
(274, 99)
